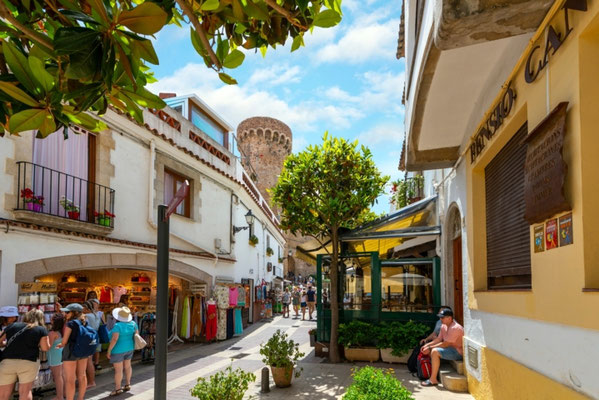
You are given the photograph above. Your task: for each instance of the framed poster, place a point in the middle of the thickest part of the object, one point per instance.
(539, 238)
(551, 234)
(565, 230)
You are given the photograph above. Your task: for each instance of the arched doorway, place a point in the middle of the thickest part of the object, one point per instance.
(453, 272)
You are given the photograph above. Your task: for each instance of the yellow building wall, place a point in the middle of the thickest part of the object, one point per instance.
(503, 378)
(558, 275)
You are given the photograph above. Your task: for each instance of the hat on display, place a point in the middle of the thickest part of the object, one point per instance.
(122, 314)
(9, 311)
(73, 307)
(446, 312)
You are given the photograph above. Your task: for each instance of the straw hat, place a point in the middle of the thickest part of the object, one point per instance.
(122, 314)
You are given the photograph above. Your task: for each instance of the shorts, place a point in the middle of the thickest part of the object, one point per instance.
(285, 305)
(303, 304)
(117, 358)
(449, 353)
(13, 370)
(67, 355)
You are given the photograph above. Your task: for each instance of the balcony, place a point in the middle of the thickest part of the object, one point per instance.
(58, 200)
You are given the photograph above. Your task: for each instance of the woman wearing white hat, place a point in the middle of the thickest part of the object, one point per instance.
(120, 350)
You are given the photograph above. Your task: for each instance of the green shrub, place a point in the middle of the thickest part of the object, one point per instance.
(281, 352)
(376, 384)
(400, 336)
(224, 385)
(357, 334)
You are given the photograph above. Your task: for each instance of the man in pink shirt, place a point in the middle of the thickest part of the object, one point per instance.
(447, 346)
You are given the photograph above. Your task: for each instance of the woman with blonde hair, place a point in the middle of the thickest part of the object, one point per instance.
(73, 367)
(20, 358)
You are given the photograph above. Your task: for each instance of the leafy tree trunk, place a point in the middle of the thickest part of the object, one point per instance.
(334, 277)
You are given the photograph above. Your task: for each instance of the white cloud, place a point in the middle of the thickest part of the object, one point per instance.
(388, 133)
(299, 143)
(362, 42)
(276, 75)
(335, 93)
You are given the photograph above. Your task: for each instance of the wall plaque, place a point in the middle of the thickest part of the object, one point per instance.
(545, 169)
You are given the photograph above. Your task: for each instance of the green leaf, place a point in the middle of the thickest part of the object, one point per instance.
(20, 67)
(27, 120)
(327, 19)
(210, 5)
(234, 59)
(263, 51)
(48, 126)
(18, 94)
(41, 76)
(297, 42)
(146, 50)
(147, 18)
(145, 98)
(75, 40)
(87, 121)
(227, 79)
(196, 42)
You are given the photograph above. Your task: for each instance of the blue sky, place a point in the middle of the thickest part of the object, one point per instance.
(346, 80)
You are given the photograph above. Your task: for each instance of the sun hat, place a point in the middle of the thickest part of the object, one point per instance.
(73, 307)
(9, 311)
(122, 314)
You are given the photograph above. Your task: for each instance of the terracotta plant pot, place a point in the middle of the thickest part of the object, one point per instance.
(387, 357)
(73, 214)
(282, 376)
(362, 354)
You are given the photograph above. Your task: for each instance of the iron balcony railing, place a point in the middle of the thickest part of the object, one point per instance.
(51, 192)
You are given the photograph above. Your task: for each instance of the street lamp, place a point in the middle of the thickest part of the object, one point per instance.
(249, 218)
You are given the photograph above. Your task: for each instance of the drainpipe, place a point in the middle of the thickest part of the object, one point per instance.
(151, 203)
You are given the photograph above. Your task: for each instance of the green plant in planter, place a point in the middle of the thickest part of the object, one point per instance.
(224, 385)
(280, 260)
(376, 384)
(357, 334)
(280, 352)
(269, 252)
(253, 240)
(400, 336)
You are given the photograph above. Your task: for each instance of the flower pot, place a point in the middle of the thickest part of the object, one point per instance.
(34, 207)
(73, 214)
(104, 221)
(387, 357)
(362, 354)
(282, 376)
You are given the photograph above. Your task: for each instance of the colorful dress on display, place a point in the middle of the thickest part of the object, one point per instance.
(233, 295)
(238, 322)
(221, 330)
(222, 296)
(196, 317)
(185, 319)
(230, 323)
(241, 296)
(211, 327)
(118, 291)
(105, 295)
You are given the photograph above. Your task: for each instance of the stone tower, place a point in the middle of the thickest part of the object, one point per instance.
(264, 143)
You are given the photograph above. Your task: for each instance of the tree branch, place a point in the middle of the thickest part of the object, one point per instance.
(29, 33)
(273, 4)
(188, 11)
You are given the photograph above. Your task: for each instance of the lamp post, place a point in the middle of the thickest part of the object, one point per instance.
(162, 273)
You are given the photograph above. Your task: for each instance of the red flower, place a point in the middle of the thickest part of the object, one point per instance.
(27, 193)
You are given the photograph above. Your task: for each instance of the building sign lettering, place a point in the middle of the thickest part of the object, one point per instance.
(32, 287)
(538, 60)
(493, 123)
(545, 169)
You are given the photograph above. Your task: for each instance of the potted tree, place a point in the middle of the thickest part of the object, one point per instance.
(281, 355)
(358, 340)
(397, 339)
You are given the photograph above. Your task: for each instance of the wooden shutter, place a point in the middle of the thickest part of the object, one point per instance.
(508, 234)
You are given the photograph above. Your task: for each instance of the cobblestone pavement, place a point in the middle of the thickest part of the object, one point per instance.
(319, 380)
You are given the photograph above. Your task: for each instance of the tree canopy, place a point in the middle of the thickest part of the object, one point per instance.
(323, 189)
(61, 58)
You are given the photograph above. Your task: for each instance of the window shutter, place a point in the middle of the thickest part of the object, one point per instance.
(508, 233)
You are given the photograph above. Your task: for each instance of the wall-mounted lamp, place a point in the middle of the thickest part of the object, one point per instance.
(249, 218)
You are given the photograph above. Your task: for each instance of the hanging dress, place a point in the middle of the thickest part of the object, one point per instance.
(221, 330)
(238, 322)
(185, 319)
(211, 322)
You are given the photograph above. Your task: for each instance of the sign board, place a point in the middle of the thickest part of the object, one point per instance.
(545, 169)
(32, 287)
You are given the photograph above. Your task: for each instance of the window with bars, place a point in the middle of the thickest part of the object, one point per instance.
(508, 233)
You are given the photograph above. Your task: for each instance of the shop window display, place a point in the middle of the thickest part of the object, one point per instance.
(407, 288)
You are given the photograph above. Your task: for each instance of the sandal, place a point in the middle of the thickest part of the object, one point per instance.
(116, 392)
(429, 383)
(126, 388)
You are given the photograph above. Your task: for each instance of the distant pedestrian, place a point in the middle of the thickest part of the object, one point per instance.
(55, 354)
(121, 348)
(304, 304)
(295, 299)
(93, 321)
(286, 298)
(96, 310)
(73, 367)
(20, 358)
(311, 295)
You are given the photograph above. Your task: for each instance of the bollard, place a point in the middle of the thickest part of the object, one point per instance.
(265, 381)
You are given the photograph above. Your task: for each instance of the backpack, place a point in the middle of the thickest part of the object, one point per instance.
(413, 360)
(86, 343)
(424, 367)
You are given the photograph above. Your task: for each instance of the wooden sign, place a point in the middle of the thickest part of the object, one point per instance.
(32, 287)
(545, 169)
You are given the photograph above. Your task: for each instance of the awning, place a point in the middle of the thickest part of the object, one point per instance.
(385, 235)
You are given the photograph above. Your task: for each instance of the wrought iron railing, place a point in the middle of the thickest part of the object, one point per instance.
(51, 192)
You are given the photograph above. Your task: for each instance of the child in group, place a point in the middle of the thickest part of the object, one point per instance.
(55, 354)
(304, 304)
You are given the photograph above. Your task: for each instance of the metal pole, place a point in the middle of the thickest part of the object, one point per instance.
(160, 363)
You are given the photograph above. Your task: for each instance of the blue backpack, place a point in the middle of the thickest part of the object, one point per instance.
(87, 341)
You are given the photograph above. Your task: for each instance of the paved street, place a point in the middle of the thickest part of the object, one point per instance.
(320, 380)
